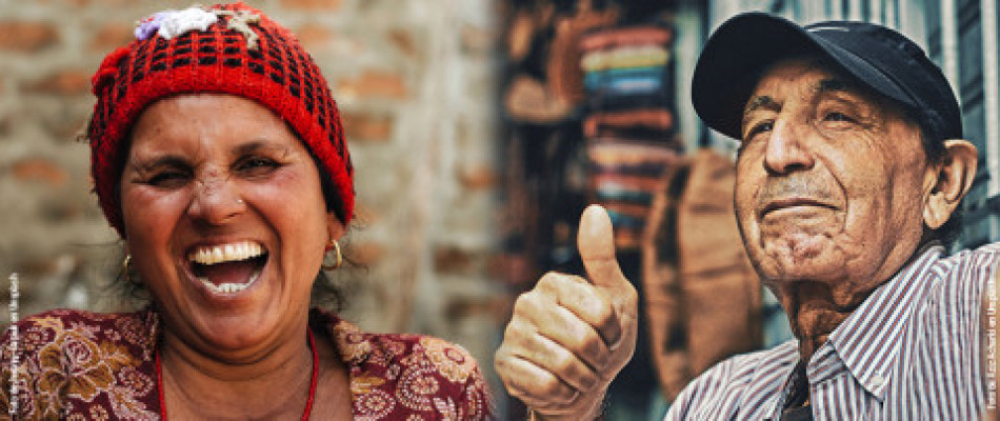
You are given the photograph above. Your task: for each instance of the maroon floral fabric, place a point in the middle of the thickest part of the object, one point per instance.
(78, 365)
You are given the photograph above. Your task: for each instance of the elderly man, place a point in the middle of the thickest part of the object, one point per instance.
(850, 169)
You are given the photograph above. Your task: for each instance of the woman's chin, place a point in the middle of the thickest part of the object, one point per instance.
(231, 318)
(238, 336)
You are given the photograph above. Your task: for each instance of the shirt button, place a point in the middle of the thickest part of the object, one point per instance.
(877, 380)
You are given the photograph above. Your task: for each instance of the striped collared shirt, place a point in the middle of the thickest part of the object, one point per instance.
(911, 351)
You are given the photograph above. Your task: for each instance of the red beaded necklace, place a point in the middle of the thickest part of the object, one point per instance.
(312, 382)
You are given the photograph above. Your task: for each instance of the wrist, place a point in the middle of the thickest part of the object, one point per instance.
(595, 413)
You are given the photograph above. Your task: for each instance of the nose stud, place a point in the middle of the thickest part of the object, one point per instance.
(239, 201)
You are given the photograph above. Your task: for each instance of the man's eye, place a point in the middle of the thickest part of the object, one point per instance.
(759, 128)
(838, 117)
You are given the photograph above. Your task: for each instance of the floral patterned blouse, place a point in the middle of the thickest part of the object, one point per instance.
(78, 365)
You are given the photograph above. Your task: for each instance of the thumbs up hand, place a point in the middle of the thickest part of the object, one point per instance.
(569, 336)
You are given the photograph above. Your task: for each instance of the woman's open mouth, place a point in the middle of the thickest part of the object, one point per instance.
(228, 268)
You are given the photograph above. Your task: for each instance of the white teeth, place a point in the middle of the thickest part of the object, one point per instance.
(230, 288)
(232, 252)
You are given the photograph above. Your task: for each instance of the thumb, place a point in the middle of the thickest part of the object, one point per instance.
(596, 242)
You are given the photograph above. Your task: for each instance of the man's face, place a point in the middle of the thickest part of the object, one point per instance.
(831, 184)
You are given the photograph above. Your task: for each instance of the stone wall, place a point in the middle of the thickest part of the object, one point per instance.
(414, 80)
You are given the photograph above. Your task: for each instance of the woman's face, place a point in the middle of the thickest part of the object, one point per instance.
(225, 221)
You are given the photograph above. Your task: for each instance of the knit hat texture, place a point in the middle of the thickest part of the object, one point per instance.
(244, 53)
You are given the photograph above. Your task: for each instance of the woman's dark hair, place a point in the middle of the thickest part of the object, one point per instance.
(325, 292)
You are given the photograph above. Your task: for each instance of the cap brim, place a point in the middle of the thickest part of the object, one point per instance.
(738, 52)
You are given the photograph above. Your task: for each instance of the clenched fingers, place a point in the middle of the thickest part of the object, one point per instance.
(543, 335)
(581, 298)
(578, 317)
(541, 373)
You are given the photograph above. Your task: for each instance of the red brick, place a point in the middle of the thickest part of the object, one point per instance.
(374, 84)
(477, 177)
(366, 215)
(513, 269)
(476, 40)
(111, 36)
(59, 210)
(451, 260)
(125, 3)
(365, 254)
(312, 4)
(26, 36)
(466, 307)
(365, 126)
(66, 82)
(39, 169)
(313, 36)
(68, 128)
(404, 42)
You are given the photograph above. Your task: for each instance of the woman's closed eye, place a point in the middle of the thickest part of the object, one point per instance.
(254, 166)
(170, 178)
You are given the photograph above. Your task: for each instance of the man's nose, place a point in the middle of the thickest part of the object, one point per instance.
(216, 199)
(786, 149)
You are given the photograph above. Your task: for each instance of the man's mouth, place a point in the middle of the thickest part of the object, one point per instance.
(775, 205)
(228, 268)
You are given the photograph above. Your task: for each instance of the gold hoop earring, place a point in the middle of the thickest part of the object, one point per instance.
(127, 269)
(335, 246)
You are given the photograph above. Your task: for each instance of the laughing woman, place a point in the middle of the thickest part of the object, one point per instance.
(218, 156)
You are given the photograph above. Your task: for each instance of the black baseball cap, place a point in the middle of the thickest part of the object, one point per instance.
(877, 57)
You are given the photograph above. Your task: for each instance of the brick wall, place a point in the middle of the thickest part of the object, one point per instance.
(414, 80)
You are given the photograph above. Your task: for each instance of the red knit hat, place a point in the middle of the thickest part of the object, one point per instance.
(231, 49)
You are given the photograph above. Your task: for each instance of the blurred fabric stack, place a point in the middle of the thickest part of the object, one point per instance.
(628, 120)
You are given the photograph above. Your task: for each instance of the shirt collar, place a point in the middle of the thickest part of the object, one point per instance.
(868, 342)
(788, 355)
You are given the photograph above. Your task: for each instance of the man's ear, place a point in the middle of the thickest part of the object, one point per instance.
(954, 174)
